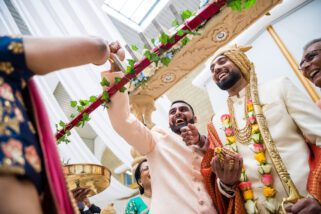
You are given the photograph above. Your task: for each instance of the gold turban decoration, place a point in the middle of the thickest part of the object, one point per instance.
(237, 55)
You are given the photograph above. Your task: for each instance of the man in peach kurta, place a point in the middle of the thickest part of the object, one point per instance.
(174, 157)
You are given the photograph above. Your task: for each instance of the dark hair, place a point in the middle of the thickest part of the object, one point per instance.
(186, 103)
(138, 176)
(311, 43)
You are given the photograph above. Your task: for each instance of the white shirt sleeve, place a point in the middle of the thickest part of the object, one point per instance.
(304, 112)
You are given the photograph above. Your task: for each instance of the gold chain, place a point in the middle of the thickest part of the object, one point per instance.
(242, 135)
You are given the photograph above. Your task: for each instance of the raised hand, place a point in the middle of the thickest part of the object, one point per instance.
(80, 193)
(190, 134)
(115, 48)
(227, 165)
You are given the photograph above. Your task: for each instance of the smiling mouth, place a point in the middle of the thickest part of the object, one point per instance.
(314, 73)
(222, 76)
(179, 121)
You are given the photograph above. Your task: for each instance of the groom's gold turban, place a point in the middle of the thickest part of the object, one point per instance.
(237, 55)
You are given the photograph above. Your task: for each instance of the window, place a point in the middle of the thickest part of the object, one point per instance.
(134, 10)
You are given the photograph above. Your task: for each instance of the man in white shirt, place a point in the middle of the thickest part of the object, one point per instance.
(257, 122)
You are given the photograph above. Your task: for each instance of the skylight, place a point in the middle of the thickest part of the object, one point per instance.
(133, 10)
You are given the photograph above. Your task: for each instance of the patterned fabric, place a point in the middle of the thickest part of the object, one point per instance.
(136, 206)
(20, 152)
(222, 204)
(314, 180)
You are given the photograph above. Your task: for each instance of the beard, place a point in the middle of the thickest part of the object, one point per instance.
(229, 81)
(177, 128)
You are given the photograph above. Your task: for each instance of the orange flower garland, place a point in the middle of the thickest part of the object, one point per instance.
(264, 167)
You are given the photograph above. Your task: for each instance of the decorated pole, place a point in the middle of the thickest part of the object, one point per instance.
(203, 15)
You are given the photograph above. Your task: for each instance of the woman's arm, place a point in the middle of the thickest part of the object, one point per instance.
(44, 55)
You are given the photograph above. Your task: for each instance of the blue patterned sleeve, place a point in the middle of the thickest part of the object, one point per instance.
(12, 59)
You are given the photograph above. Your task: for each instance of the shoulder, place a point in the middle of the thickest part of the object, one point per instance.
(159, 131)
(135, 199)
(132, 203)
(277, 83)
(276, 88)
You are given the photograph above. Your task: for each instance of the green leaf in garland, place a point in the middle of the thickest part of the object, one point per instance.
(164, 38)
(184, 41)
(165, 61)
(147, 54)
(180, 32)
(191, 32)
(186, 14)
(84, 102)
(92, 98)
(62, 123)
(249, 3)
(122, 89)
(104, 82)
(131, 62)
(175, 23)
(134, 48)
(235, 4)
(73, 103)
(105, 95)
(129, 69)
(80, 108)
(153, 41)
(117, 79)
(172, 40)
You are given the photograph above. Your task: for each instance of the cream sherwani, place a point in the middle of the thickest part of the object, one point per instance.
(177, 183)
(288, 113)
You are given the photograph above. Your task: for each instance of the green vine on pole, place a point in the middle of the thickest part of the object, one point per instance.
(163, 57)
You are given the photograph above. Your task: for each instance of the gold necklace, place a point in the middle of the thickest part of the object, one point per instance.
(242, 135)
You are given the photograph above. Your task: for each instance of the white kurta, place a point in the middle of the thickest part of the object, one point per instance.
(177, 183)
(288, 113)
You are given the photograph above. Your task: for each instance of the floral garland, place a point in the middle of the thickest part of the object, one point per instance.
(264, 168)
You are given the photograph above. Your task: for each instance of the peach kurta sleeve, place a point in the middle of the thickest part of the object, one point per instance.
(126, 124)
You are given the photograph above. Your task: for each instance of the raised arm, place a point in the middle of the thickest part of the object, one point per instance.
(126, 124)
(44, 55)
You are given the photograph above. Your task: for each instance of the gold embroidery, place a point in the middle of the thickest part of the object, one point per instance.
(16, 47)
(1, 111)
(13, 151)
(32, 129)
(6, 92)
(23, 83)
(7, 104)
(6, 67)
(19, 96)
(18, 114)
(12, 123)
(33, 158)
(17, 170)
